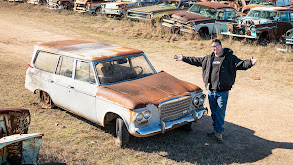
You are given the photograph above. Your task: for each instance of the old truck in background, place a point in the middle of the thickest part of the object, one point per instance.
(119, 8)
(89, 6)
(263, 24)
(60, 4)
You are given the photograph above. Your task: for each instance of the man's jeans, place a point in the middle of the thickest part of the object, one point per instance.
(218, 104)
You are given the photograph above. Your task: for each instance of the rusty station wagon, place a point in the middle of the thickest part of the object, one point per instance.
(106, 83)
(265, 3)
(263, 24)
(202, 18)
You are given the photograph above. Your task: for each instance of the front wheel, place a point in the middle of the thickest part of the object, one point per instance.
(122, 133)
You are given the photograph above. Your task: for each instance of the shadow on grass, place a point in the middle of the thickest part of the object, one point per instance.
(240, 144)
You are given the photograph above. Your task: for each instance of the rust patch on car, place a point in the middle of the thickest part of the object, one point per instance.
(148, 90)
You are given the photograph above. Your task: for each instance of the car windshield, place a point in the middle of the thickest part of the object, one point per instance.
(173, 4)
(123, 69)
(262, 2)
(204, 11)
(270, 15)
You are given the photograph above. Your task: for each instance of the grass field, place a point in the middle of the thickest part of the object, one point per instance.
(258, 127)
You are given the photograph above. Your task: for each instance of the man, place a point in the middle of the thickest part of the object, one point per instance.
(219, 73)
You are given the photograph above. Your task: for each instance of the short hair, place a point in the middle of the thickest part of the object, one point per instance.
(217, 40)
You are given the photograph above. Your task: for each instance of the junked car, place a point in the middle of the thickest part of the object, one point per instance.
(157, 11)
(263, 24)
(202, 18)
(265, 3)
(117, 8)
(105, 83)
(60, 4)
(89, 6)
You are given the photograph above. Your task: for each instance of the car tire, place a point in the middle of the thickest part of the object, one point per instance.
(122, 133)
(187, 127)
(46, 101)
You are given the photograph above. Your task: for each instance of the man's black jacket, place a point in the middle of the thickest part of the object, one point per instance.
(228, 68)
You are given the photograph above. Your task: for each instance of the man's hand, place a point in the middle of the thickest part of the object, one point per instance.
(253, 60)
(178, 57)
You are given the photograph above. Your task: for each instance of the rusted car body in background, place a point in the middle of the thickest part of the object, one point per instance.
(157, 11)
(265, 3)
(117, 8)
(107, 83)
(37, 2)
(202, 18)
(236, 4)
(90, 6)
(263, 24)
(16, 146)
(20, 1)
(289, 41)
(60, 4)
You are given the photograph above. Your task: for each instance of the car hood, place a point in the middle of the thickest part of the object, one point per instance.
(148, 90)
(185, 16)
(151, 9)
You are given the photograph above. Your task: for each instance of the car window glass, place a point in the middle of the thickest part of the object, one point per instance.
(65, 66)
(46, 61)
(291, 16)
(123, 69)
(230, 15)
(284, 16)
(280, 3)
(287, 2)
(84, 72)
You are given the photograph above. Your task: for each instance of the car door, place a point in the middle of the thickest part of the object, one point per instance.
(61, 83)
(284, 23)
(84, 89)
(224, 17)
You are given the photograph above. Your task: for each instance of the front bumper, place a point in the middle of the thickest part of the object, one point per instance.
(168, 125)
(238, 35)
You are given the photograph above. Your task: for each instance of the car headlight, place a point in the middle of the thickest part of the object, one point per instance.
(143, 115)
(147, 114)
(139, 116)
(198, 101)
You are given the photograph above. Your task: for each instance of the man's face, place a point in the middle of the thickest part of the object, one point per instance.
(217, 48)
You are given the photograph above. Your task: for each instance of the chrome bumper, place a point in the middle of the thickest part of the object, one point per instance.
(164, 126)
(238, 35)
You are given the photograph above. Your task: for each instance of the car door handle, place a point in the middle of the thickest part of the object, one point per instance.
(71, 87)
(51, 81)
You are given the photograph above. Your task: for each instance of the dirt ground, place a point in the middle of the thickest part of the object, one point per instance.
(258, 118)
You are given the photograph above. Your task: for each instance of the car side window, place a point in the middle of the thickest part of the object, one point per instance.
(46, 61)
(84, 72)
(284, 17)
(65, 66)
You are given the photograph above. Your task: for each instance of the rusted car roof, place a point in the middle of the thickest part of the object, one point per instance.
(8, 110)
(273, 8)
(214, 5)
(86, 50)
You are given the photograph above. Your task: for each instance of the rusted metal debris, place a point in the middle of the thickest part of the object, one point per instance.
(16, 146)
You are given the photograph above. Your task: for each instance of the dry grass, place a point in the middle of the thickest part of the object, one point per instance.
(73, 140)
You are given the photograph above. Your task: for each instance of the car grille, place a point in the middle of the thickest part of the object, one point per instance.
(175, 108)
(138, 15)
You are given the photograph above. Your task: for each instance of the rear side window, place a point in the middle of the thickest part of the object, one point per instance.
(65, 66)
(46, 61)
